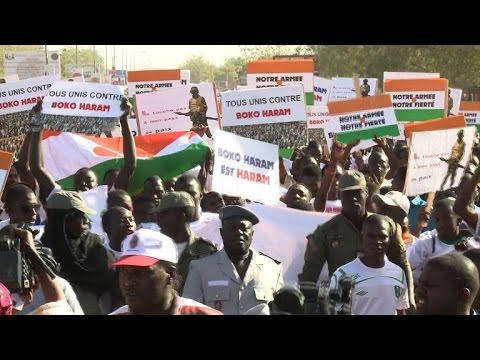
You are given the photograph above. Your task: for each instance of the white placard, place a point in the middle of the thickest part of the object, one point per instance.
(156, 109)
(344, 88)
(322, 89)
(456, 95)
(426, 171)
(245, 167)
(83, 99)
(24, 94)
(264, 106)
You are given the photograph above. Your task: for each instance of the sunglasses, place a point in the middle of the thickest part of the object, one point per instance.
(28, 208)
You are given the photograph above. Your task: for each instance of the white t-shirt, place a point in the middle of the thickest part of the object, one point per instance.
(376, 291)
(149, 225)
(422, 250)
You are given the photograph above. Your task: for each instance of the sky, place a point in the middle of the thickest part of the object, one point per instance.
(138, 57)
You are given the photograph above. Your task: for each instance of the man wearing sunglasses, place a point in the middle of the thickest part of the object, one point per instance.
(22, 206)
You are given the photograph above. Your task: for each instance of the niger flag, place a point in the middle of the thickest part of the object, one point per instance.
(166, 155)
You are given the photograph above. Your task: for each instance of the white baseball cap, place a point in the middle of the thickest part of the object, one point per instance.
(146, 247)
(396, 199)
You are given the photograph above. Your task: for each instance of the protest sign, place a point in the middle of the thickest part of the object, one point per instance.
(273, 73)
(246, 168)
(317, 119)
(471, 111)
(275, 115)
(83, 99)
(24, 94)
(322, 89)
(418, 99)
(437, 158)
(17, 99)
(87, 108)
(349, 88)
(156, 110)
(6, 160)
(436, 124)
(363, 118)
(144, 81)
(456, 97)
(388, 75)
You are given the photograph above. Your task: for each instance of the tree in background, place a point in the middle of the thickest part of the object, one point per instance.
(458, 63)
(9, 48)
(86, 57)
(200, 69)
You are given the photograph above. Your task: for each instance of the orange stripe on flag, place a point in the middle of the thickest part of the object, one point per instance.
(404, 85)
(451, 122)
(6, 160)
(153, 75)
(470, 105)
(360, 104)
(280, 66)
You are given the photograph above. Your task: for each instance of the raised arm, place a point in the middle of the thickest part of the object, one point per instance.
(23, 166)
(464, 198)
(338, 157)
(129, 152)
(44, 179)
(393, 161)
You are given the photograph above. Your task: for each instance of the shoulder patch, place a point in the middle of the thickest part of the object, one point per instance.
(275, 260)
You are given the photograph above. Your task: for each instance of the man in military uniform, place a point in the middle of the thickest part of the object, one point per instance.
(458, 150)
(175, 213)
(237, 278)
(339, 240)
(198, 112)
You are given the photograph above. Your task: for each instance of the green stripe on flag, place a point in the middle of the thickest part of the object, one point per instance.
(419, 115)
(347, 137)
(285, 153)
(166, 167)
(309, 99)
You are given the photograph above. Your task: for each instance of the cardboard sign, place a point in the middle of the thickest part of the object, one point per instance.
(322, 89)
(246, 168)
(83, 99)
(418, 99)
(437, 159)
(273, 73)
(24, 94)
(275, 115)
(6, 160)
(349, 88)
(363, 118)
(156, 110)
(471, 111)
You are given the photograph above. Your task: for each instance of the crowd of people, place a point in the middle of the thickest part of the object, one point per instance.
(15, 124)
(285, 135)
(12, 144)
(78, 124)
(157, 252)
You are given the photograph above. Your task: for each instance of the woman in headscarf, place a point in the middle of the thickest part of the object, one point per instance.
(84, 261)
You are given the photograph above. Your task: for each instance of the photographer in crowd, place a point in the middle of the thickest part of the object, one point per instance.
(30, 271)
